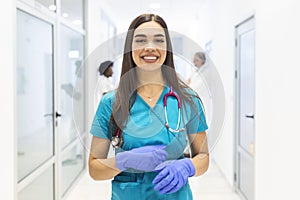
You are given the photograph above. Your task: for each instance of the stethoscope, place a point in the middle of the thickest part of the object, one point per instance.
(116, 140)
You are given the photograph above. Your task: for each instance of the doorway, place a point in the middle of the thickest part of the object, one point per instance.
(245, 107)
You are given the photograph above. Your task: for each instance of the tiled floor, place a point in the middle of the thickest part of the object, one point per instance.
(211, 186)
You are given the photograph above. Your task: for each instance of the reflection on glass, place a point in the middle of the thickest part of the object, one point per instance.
(34, 93)
(40, 188)
(42, 4)
(50, 4)
(71, 79)
(246, 183)
(72, 10)
(72, 165)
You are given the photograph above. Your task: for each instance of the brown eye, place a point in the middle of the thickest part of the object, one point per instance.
(140, 40)
(159, 40)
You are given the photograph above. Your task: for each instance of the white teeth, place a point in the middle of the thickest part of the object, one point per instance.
(150, 58)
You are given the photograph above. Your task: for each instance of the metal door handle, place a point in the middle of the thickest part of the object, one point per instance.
(50, 114)
(250, 116)
(57, 114)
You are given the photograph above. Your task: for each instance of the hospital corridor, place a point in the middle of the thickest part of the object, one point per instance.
(149, 99)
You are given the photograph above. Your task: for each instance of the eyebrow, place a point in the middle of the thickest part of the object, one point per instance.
(142, 35)
(159, 35)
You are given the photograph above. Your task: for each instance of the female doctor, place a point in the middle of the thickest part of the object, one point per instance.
(147, 119)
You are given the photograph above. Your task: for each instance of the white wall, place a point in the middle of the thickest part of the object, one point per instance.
(277, 100)
(7, 85)
(96, 27)
(97, 34)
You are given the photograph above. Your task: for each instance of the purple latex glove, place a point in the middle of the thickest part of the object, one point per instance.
(146, 149)
(144, 158)
(173, 175)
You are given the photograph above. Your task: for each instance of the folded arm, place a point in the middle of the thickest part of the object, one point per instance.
(101, 167)
(144, 158)
(199, 152)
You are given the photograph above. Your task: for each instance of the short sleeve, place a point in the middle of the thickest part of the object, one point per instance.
(197, 122)
(101, 121)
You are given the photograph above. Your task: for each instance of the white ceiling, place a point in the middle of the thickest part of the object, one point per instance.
(176, 13)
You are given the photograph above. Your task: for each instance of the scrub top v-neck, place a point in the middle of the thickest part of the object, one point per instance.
(145, 102)
(146, 125)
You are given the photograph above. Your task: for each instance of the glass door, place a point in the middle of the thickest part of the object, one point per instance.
(50, 105)
(35, 110)
(71, 105)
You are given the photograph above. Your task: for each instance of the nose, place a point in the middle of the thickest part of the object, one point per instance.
(150, 47)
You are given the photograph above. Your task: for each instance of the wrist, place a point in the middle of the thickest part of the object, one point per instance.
(191, 167)
(201, 163)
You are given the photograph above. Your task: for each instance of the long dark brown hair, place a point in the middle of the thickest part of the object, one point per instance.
(127, 89)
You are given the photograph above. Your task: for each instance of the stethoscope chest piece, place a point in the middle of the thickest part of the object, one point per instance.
(115, 141)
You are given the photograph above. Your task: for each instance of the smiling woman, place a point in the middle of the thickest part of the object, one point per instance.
(149, 161)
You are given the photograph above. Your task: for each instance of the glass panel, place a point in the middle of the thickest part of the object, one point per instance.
(40, 188)
(72, 165)
(50, 4)
(42, 4)
(72, 10)
(247, 90)
(34, 93)
(71, 79)
(246, 182)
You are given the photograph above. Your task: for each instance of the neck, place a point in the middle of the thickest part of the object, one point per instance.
(150, 89)
(150, 79)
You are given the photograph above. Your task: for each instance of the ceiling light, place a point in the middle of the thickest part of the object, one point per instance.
(155, 5)
(65, 15)
(73, 54)
(77, 22)
(52, 7)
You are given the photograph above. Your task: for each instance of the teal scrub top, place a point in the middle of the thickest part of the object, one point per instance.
(146, 126)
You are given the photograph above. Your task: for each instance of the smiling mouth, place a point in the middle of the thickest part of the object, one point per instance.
(150, 58)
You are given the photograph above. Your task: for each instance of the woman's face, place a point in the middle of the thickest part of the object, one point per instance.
(149, 46)
(197, 61)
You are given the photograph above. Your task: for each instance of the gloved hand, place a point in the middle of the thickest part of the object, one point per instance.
(144, 158)
(147, 149)
(173, 175)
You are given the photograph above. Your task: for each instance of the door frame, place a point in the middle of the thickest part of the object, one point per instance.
(55, 20)
(237, 104)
